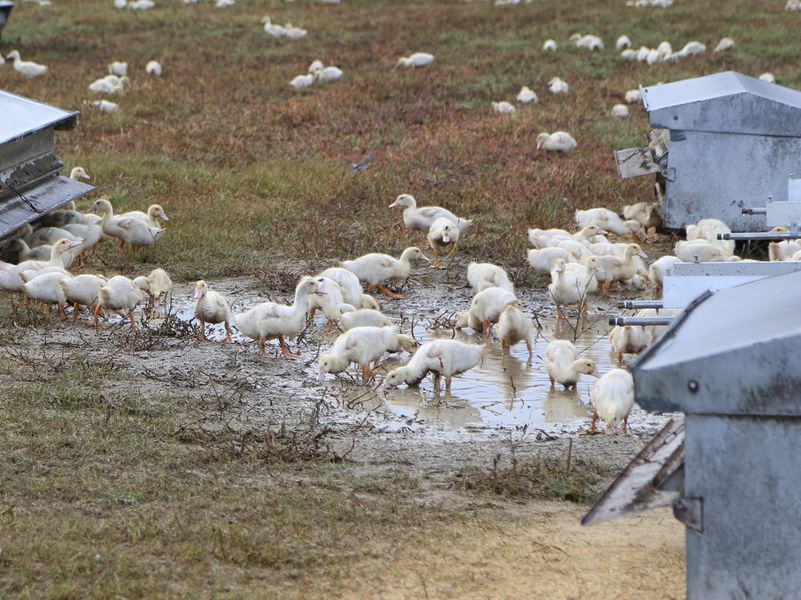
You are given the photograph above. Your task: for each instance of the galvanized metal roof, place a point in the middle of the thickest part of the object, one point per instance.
(732, 352)
(727, 102)
(22, 116)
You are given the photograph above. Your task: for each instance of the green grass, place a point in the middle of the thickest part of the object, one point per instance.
(253, 173)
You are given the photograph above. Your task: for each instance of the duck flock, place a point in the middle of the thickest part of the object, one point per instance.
(602, 253)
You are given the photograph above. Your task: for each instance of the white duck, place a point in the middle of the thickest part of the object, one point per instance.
(24, 252)
(376, 268)
(120, 69)
(122, 295)
(709, 229)
(26, 68)
(692, 49)
(645, 213)
(699, 250)
(153, 217)
(769, 77)
(627, 339)
(444, 358)
(724, 44)
(526, 95)
(153, 68)
(11, 275)
(362, 345)
(50, 235)
(421, 219)
(620, 111)
(302, 81)
(443, 233)
(82, 290)
(564, 364)
(559, 141)
(609, 221)
(45, 288)
(211, 307)
(568, 288)
(633, 96)
(160, 285)
(503, 107)
(363, 317)
(549, 46)
(90, 236)
(513, 327)
(543, 260)
(105, 106)
(659, 269)
(558, 86)
(784, 250)
(270, 320)
(273, 30)
(110, 84)
(612, 399)
(350, 288)
(612, 269)
(488, 304)
(328, 74)
(132, 231)
(417, 59)
(588, 42)
(481, 276)
(623, 42)
(328, 298)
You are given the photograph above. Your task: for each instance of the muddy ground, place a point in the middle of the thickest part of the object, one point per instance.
(426, 438)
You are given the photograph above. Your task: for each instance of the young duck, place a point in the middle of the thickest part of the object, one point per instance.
(628, 339)
(350, 287)
(270, 320)
(132, 231)
(613, 269)
(363, 345)
(645, 213)
(11, 277)
(559, 141)
(377, 268)
(24, 252)
(659, 269)
(513, 327)
(568, 288)
(160, 285)
(27, 68)
(153, 217)
(488, 304)
(565, 365)
(443, 358)
(543, 260)
(416, 59)
(443, 233)
(708, 229)
(503, 107)
(526, 95)
(211, 307)
(45, 288)
(82, 290)
(481, 276)
(90, 234)
(122, 295)
(50, 235)
(421, 219)
(362, 317)
(328, 298)
(610, 221)
(784, 250)
(700, 250)
(558, 86)
(612, 399)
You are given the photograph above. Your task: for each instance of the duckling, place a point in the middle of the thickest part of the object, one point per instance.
(316, 65)
(544, 238)
(131, 231)
(11, 276)
(481, 276)
(45, 288)
(328, 74)
(567, 288)
(700, 250)
(211, 307)
(300, 82)
(576, 250)
(564, 364)
(328, 298)
(270, 320)
(153, 68)
(588, 42)
(421, 219)
(503, 107)
(526, 95)
(622, 42)
(443, 233)
(362, 345)
(659, 269)
(586, 271)
(274, 30)
(82, 290)
(155, 213)
(514, 327)
(549, 46)
(26, 68)
(708, 229)
(443, 358)
(621, 111)
(376, 268)
(619, 269)
(49, 235)
(160, 285)
(612, 399)
(488, 304)
(627, 339)
(468, 319)
(558, 86)
(350, 288)
(362, 317)
(105, 106)
(121, 295)
(559, 141)
(724, 44)
(632, 97)
(609, 221)
(784, 250)
(41, 253)
(769, 77)
(645, 213)
(120, 69)
(543, 260)
(629, 54)
(417, 59)
(90, 236)
(109, 84)
(692, 49)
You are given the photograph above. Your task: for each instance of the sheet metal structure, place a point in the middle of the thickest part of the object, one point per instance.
(29, 182)
(735, 373)
(732, 142)
(5, 14)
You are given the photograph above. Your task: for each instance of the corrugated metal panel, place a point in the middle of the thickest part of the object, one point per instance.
(36, 201)
(726, 102)
(21, 116)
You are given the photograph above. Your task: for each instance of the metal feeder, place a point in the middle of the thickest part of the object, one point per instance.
(726, 142)
(728, 466)
(5, 14)
(30, 185)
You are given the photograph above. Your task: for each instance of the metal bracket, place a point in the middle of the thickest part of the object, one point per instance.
(669, 174)
(690, 511)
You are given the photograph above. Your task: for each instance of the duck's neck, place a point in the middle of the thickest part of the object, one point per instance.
(55, 257)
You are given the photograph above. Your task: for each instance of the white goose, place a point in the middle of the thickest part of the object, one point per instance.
(270, 320)
(211, 307)
(443, 358)
(26, 68)
(376, 268)
(612, 399)
(564, 364)
(559, 141)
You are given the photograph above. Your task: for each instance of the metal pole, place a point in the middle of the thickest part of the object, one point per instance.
(643, 321)
(637, 304)
(767, 236)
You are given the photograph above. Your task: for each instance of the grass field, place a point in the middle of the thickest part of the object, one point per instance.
(253, 172)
